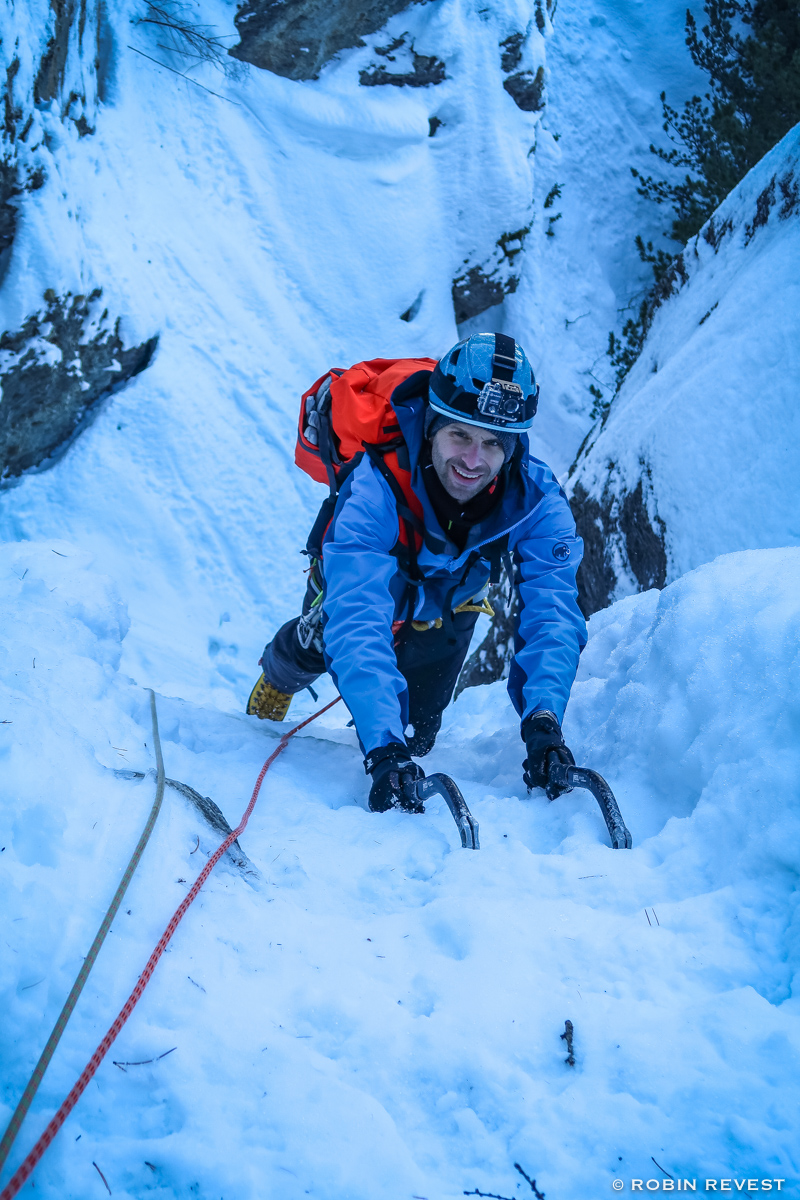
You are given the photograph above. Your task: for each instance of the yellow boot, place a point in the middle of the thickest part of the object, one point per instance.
(267, 702)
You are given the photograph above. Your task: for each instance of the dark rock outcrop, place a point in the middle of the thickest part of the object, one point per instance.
(476, 291)
(526, 89)
(617, 528)
(296, 38)
(427, 70)
(512, 52)
(50, 76)
(54, 371)
(15, 178)
(482, 286)
(9, 188)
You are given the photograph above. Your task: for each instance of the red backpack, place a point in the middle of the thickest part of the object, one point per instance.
(346, 414)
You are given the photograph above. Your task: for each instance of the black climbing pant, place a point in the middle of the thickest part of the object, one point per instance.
(429, 661)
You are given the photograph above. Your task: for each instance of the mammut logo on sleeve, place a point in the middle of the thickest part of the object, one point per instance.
(561, 551)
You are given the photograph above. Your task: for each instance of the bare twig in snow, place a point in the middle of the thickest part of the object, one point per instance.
(144, 1061)
(102, 1176)
(662, 1169)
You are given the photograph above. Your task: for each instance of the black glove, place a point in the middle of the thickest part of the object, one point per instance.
(545, 743)
(393, 775)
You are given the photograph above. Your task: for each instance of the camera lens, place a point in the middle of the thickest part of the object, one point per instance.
(510, 406)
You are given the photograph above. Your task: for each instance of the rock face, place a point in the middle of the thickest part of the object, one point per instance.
(483, 285)
(697, 455)
(425, 69)
(19, 169)
(295, 38)
(526, 88)
(50, 77)
(492, 659)
(475, 291)
(619, 537)
(53, 372)
(9, 188)
(35, 76)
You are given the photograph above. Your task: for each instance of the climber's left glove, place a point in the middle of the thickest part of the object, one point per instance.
(545, 744)
(394, 774)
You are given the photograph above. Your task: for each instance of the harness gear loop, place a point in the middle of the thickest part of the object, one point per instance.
(309, 627)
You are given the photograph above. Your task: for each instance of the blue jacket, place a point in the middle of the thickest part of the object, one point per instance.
(365, 590)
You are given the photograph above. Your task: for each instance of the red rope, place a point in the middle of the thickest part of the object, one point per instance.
(27, 1168)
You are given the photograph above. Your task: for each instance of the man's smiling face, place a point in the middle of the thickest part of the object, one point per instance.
(466, 458)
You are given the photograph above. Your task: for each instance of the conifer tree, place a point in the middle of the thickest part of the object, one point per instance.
(750, 50)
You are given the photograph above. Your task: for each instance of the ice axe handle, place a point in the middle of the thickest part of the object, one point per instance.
(565, 776)
(443, 785)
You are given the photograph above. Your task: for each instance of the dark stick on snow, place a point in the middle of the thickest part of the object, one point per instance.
(662, 1169)
(567, 1037)
(539, 1195)
(102, 1176)
(493, 1195)
(144, 1061)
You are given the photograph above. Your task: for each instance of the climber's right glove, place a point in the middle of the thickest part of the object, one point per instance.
(545, 743)
(394, 774)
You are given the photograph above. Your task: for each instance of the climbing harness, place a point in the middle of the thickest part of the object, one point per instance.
(309, 627)
(27, 1168)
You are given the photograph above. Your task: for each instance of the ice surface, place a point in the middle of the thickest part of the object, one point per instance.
(380, 1014)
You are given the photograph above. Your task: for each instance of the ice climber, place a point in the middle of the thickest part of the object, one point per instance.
(404, 550)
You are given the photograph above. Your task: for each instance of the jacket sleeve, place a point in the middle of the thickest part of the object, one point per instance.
(359, 609)
(552, 632)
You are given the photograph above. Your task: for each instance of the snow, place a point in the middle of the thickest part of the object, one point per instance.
(265, 234)
(708, 416)
(378, 1013)
(608, 61)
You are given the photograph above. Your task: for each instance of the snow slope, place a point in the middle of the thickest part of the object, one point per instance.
(707, 422)
(608, 62)
(277, 228)
(264, 235)
(378, 1014)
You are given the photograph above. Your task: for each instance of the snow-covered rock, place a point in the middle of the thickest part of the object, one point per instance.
(297, 40)
(698, 455)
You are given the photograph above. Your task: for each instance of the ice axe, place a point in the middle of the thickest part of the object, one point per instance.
(442, 785)
(567, 777)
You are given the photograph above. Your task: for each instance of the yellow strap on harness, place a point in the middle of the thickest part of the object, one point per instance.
(483, 607)
(468, 606)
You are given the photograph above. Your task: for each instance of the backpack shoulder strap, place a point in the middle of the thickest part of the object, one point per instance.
(409, 509)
